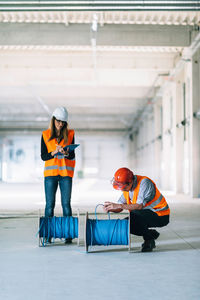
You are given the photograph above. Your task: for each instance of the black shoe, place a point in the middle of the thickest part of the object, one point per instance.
(68, 241)
(155, 234)
(148, 245)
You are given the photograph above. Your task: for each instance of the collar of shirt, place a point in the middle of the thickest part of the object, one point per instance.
(134, 183)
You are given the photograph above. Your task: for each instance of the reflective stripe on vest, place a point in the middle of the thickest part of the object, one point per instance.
(158, 204)
(60, 168)
(58, 165)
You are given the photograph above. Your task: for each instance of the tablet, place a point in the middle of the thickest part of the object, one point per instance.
(71, 147)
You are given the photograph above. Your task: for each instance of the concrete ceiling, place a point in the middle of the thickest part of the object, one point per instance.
(105, 77)
(100, 5)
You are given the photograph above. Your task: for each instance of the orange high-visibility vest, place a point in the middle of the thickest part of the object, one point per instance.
(158, 204)
(55, 166)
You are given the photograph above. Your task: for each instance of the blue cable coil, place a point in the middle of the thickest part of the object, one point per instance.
(107, 232)
(58, 227)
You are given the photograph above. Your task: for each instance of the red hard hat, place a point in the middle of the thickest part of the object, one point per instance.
(122, 178)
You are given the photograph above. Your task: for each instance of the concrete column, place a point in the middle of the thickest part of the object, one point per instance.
(179, 133)
(195, 126)
(186, 129)
(132, 153)
(166, 151)
(1, 156)
(151, 148)
(140, 142)
(157, 142)
(173, 134)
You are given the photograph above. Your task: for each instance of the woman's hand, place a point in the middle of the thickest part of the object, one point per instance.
(65, 152)
(58, 149)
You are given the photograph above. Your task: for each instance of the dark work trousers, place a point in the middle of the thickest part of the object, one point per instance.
(142, 220)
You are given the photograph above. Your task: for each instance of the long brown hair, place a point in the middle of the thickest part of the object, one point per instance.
(63, 132)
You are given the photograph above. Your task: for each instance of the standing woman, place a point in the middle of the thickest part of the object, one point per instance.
(59, 164)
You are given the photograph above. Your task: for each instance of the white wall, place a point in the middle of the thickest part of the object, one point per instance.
(101, 155)
(98, 156)
(21, 158)
(173, 161)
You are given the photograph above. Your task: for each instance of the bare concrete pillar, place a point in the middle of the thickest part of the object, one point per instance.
(195, 126)
(157, 141)
(179, 133)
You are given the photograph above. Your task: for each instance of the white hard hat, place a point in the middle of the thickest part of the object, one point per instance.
(60, 113)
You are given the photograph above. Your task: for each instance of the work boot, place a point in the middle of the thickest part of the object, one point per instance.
(148, 245)
(68, 241)
(155, 234)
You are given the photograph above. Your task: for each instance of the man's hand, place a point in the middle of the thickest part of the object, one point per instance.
(112, 207)
(116, 207)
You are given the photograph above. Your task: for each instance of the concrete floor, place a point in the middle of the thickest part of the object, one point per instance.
(62, 271)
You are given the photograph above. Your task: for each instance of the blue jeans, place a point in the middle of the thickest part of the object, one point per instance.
(51, 185)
